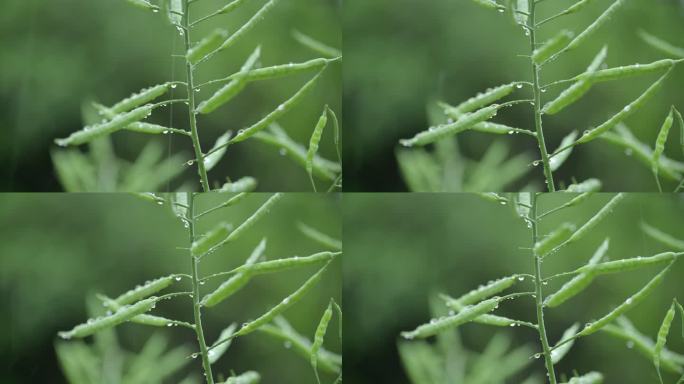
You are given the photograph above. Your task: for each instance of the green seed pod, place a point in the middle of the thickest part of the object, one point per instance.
(206, 45)
(124, 314)
(316, 45)
(662, 139)
(589, 378)
(278, 71)
(248, 25)
(680, 120)
(493, 320)
(320, 237)
(625, 112)
(662, 45)
(278, 112)
(151, 320)
(117, 123)
(232, 89)
(483, 292)
(577, 90)
(554, 239)
(561, 157)
(283, 305)
(230, 7)
(579, 282)
(598, 23)
(260, 213)
(662, 237)
(626, 306)
(442, 131)
(447, 322)
(215, 353)
(245, 184)
(140, 127)
(576, 7)
(662, 338)
(210, 240)
(236, 282)
(485, 126)
(630, 264)
(600, 215)
(552, 46)
(628, 71)
(249, 377)
(313, 144)
(559, 353)
(319, 336)
(485, 98)
(140, 98)
(587, 186)
(145, 290)
(279, 265)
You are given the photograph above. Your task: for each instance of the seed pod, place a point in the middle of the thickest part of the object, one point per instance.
(662, 338)
(576, 7)
(117, 123)
(144, 4)
(278, 112)
(579, 282)
(316, 45)
(663, 237)
(283, 305)
(232, 89)
(662, 45)
(236, 282)
(248, 25)
(561, 157)
(279, 265)
(624, 113)
(278, 71)
(140, 127)
(443, 323)
(483, 292)
(589, 378)
(577, 90)
(216, 155)
(552, 46)
(313, 144)
(319, 336)
(215, 353)
(626, 306)
(484, 99)
(442, 131)
(206, 45)
(628, 71)
(493, 320)
(258, 214)
(320, 237)
(210, 240)
(249, 377)
(680, 120)
(559, 353)
(600, 215)
(230, 7)
(630, 264)
(245, 184)
(145, 290)
(600, 21)
(554, 239)
(662, 139)
(144, 96)
(151, 320)
(124, 314)
(485, 126)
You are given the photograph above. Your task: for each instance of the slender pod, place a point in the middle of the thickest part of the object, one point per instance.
(236, 282)
(624, 265)
(552, 46)
(319, 336)
(439, 132)
(591, 223)
(320, 237)
(119, 122)
(144, 319)
(283, 305)
(125, 313)
(485, 98)
(487, 319)
(577, 90)
(140, 98)
(564, 154)
(145, 290)
(249, 377)
(244, 184)
(214, 157)
(485, 126)
(628, 71)
(577, 6)
(680, 121)
(262, 211)
(278, 112)
(598, 23)
(316, 45)
(573, 202)
(278, 71)
(661, 140)
(140, 127)
(228, 203)
(245, 28)
(559, 353)
(663, 237)
(279, 265)
(483, 292)
(630, 303)
(220, 350)
(206, 45)
(313, 144)
(662, 338)
(645, 346)
(625, 112)
(662, 45)
(232, 89)
(468, 314)
(230, 7)
(210, 239)
(588, 378)
(579, 282)
(554, 239)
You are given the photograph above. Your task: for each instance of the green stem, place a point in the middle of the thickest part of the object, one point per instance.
(191, 103)
(195, 295)
(539, 298)
(548, 174)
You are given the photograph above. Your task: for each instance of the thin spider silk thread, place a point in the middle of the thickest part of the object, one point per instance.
(173, 78)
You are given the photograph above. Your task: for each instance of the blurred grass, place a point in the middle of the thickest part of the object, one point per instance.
(400, 248)
(58, 54)
(56, 248)
(400, 54)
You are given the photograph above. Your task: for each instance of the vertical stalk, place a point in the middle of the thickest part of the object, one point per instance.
(199, 156)
(548, 174)
(538, 295)
(195, 294)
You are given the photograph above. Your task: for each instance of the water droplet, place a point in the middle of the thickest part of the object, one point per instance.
(166, 132)
(535, 163)
(282, 151)
(190, 162)
(194, 355)
(545, 283)
(519, 85)
(287, 344)
(281, 107)
(286, 300)
(197, 89)
(178, 278)
(521, 278)
(202, 282)
(500, 10)
(169, 325)
(628, 151)
(155, 10)
(630, 344)
(537, 355)
(629, 301)
(543, 90)
(173, 86)
(511, 132)
(160, 202)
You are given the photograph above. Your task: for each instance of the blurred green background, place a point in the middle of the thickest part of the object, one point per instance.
(57, 248)
(57, 55)
(401, 54)
(400, 248)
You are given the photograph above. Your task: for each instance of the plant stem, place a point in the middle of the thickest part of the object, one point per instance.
(195, 294)
(191, 103)
(539, 298)
(548, 174)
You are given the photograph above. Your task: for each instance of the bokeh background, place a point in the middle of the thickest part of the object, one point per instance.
(401, 54)
(55, 249)
(401, 248)
(58, 55)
